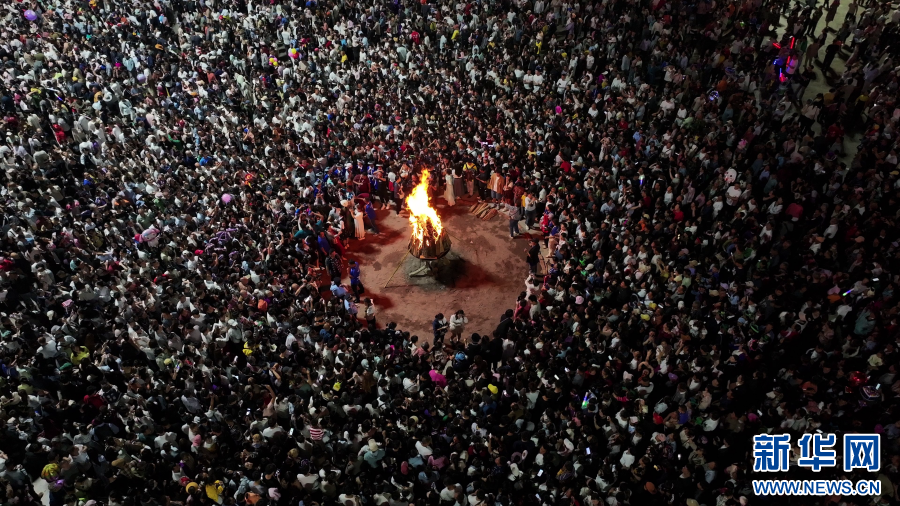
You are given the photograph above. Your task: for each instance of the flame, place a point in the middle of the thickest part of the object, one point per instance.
(421, 214)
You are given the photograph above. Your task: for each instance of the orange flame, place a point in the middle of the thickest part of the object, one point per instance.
(420, 213)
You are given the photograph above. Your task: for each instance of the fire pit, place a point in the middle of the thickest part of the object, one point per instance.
(427, 241)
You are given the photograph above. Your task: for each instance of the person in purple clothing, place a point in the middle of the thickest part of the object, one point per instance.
(370, 214)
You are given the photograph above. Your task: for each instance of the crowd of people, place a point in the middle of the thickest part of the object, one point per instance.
(182, 322)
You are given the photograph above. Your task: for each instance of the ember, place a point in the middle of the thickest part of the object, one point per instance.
(427, 241)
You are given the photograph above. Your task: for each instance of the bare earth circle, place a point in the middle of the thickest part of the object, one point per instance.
(482, 275)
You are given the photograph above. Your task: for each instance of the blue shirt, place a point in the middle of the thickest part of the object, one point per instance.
(338, 291)
(323, 243)
(373, 458)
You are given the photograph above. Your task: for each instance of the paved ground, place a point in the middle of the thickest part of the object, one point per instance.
(482, 275)
(823, 82)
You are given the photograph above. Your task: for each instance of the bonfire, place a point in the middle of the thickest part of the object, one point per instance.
(427, 241)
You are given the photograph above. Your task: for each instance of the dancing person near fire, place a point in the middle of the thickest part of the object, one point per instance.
(449, 193)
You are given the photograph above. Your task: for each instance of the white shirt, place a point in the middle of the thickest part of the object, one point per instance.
(627, 460)
(457, 322)
(528, 80)
(732, 195)
(49, 350)
(423, 450)
(561, 85)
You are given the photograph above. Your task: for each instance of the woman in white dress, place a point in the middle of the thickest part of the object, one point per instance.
(448, 193)
(358, 222)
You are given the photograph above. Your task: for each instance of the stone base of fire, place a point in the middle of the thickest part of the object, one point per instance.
(430, 248)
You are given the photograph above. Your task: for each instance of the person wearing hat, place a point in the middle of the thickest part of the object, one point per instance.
(372, 454)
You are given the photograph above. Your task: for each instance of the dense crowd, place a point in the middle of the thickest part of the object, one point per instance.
(184, 182)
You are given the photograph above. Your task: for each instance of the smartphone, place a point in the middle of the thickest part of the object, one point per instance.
(291, 432)
(248, 412)
(587, 451)
(679, 456)
(540, 472)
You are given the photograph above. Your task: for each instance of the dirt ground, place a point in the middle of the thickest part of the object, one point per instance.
(482, 275)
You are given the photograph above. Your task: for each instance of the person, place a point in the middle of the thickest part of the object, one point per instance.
(347, 223)
(439, 328)
(382, 184)
(369, 313)
(830, 52)
(512, 211)
(356, 286)
(338, 245)
(496, 185)
(400, 193)
(832, 11)
(812, 52)
(372, 217)
(324, 246)
(359, 222)
(808, 115)
(458, 181)
(533, 255)
(449, 193)
(457, 325)
(338, 291)
(469, 171)
(482, 179)
(334, 266)
(530, 206)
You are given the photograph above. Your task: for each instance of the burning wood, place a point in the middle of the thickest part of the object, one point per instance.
(431, 247)
(427, 239)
